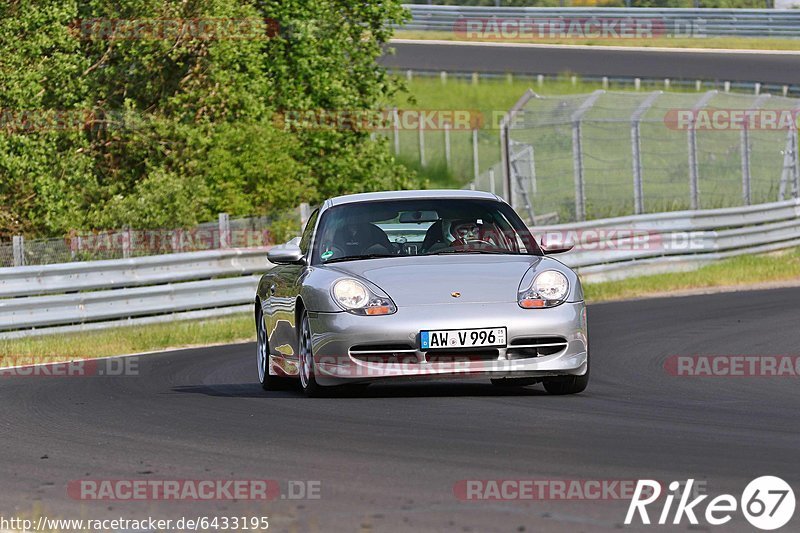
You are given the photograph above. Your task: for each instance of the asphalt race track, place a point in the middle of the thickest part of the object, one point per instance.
(780, 68)
(389, 459)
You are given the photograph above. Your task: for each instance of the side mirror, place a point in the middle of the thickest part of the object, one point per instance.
(286, 254)
(556, 246)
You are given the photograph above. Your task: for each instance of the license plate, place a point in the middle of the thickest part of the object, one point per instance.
(462, 338)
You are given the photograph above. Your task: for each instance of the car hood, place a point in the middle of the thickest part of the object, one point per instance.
(430, 280)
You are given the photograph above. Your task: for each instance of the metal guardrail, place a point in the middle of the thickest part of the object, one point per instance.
(119, 273)
(93, 295)
(677, 22)
(622, 247)
(42, 311)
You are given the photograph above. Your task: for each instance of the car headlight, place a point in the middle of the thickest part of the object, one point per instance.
(355, 297)
(549, 289)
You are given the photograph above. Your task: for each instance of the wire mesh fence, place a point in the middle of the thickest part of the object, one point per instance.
(249, 232)
(605, 154)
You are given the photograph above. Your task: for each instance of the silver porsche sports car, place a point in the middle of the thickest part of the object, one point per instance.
(420, 284)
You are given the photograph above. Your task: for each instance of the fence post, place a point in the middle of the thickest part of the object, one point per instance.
(421, 144)
(577, 168)
(475, 160)
(126, 242)
(447, 144)
(305, 214)
(694, 188)
(636, 148)
(505, 144)
(177, 241)
(745, 149)
(74, 244)
(18, 245)
(791, 171)
(795, 166)
(491, 181)
(505, 162)
(577, 154)
(396, 129)
(787, 170)
(224, 230)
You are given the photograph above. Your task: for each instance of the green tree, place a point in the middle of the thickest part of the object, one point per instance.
(177, 125)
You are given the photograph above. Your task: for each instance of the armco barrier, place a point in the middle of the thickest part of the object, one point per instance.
(675, 21)
(117, 273)
(702, 236)
(85, 296)
(41, 311)
(92, 295)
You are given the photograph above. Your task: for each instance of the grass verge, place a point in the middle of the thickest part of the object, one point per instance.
(737, 271)
(125, 340)
(489, 95)
(732, 43)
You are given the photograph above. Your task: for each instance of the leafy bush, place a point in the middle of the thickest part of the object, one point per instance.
(172, 130)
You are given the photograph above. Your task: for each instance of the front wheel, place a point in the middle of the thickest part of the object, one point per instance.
(308, 380)
(567, 384)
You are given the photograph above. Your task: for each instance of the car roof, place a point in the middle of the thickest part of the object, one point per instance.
(410, 195)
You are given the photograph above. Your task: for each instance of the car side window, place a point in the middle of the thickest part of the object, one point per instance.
(305, 241)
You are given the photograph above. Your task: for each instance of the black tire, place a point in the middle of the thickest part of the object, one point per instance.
(307, 367)
(268, 382)
(567, 384)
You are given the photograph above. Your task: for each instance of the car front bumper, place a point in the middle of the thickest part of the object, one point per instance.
(337, 339)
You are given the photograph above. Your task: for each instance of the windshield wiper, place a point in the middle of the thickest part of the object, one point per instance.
(451, 251)
(357, 257)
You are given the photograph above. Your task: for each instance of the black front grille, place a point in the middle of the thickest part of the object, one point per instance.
(385, 353)
(462, 355)
(528, 347)
(380, 347)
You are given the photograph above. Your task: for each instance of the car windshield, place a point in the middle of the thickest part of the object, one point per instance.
(401, 228)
